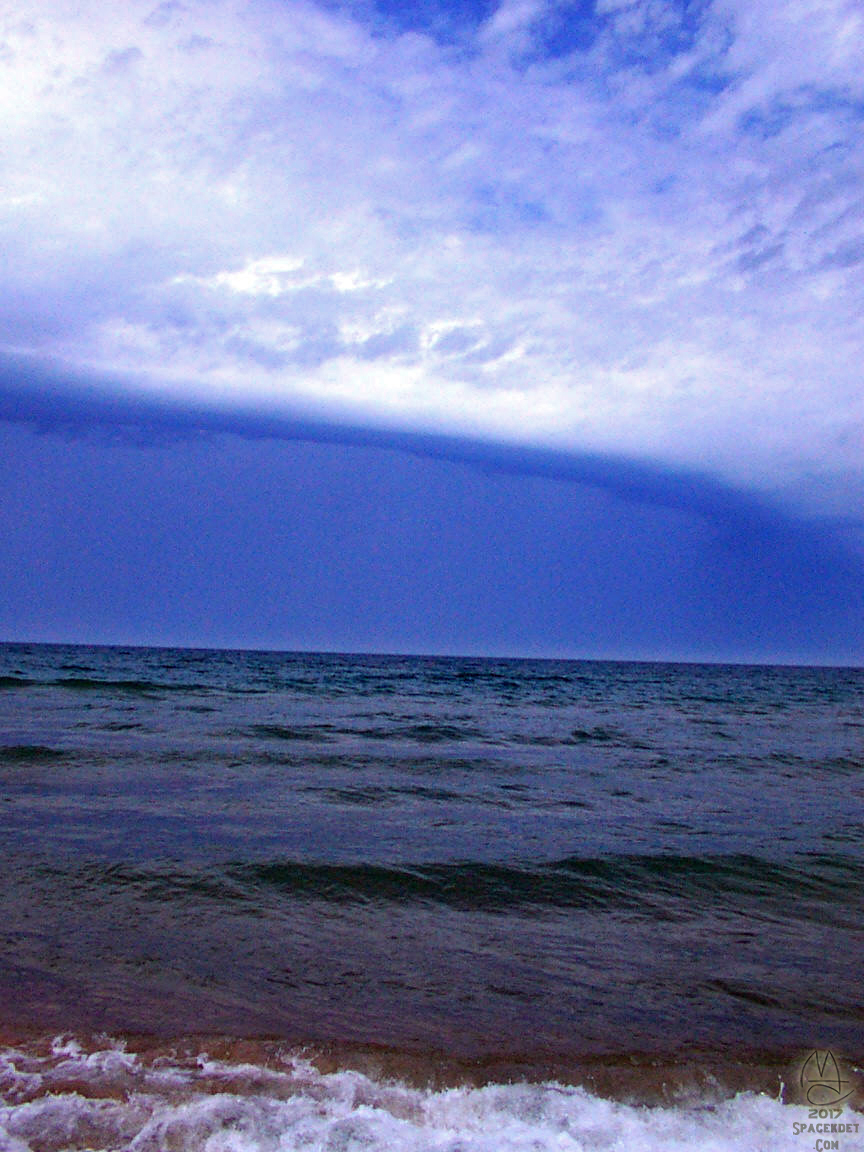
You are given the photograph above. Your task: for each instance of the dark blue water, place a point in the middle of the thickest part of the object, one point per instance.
(486, 858)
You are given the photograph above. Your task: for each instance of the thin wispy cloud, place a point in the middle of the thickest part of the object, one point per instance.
(623, 228)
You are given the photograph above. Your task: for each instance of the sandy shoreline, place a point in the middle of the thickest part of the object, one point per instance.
(631, 1077)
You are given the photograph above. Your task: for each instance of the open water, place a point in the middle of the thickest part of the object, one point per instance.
(258, 900)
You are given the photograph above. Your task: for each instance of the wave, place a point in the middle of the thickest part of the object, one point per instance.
(100, 684)
(436, 732)
(421, 732)
(296, 732)
(614, 737)
(661, 888)
(28, 753)
(186, 1096)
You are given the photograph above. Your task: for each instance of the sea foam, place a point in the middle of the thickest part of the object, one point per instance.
(64, 1097)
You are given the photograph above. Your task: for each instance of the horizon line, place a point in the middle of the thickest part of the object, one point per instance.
(695, 661)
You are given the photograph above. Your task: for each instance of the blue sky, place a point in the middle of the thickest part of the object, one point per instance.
(529, 327)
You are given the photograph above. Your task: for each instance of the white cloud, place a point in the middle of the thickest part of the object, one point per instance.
(650, 241)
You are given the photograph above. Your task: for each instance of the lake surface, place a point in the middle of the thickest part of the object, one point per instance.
(453, 875)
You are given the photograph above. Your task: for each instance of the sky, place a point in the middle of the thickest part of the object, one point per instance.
(522, 328)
